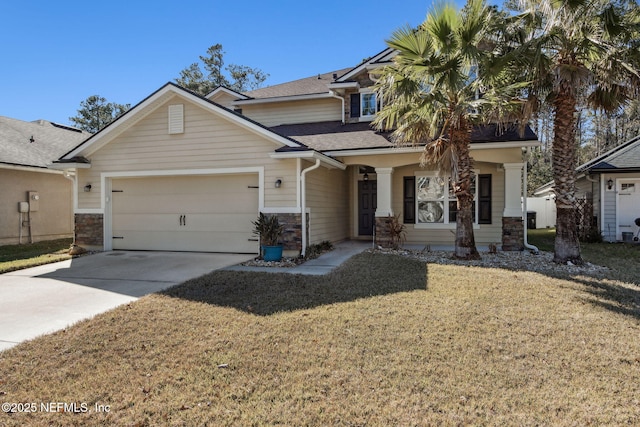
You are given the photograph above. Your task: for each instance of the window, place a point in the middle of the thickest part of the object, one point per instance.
(364, 105)
(630, 187)
(367, 104)
(430, 191)
(429, 200)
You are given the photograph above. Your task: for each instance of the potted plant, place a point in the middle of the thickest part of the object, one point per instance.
(269, 229)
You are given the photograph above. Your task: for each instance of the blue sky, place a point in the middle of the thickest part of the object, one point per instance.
(56, 54)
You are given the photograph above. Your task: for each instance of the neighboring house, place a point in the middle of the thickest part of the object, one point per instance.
(189, 173)
(26, 149)
(611, 183)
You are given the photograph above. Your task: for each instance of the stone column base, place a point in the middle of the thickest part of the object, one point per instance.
(292, 234)
(89, 231)
(512, 234)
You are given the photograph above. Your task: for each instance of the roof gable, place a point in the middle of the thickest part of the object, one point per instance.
(625, 156)
(154, 101)
(378, 60)
(222, 91)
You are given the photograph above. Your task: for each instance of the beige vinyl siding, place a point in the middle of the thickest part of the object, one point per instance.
(286, 113)
(224, 99)
(286, 195)
(208, 142)
(484, 233)
(54, 218)
(328, 202)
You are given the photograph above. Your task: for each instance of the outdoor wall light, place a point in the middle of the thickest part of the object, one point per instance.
(609, 184)
(87, 188)
(366, 177)
(278, 183)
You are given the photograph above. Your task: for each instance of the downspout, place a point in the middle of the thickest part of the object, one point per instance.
(333, 95)
(303, 202)
(533, 249)
(72, 178)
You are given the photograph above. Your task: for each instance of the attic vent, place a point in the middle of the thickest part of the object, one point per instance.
(176, 119)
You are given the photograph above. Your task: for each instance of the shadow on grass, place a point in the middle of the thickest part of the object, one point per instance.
(611, 296)
(364, 275)
(622, 258)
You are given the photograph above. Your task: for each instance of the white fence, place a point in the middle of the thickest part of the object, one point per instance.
(545, 209)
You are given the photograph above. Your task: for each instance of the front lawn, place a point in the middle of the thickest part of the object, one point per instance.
(384, 340)
(624, 258)
(16, 257)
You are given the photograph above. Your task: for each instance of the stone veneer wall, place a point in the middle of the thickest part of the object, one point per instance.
(89, 230)
(512, 234)
(382, 238)
(292, 235)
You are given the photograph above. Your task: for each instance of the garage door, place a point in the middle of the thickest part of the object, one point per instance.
(185, 213)
(628, 206)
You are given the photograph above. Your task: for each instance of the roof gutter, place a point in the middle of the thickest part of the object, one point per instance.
(419, 148)
(311, 155)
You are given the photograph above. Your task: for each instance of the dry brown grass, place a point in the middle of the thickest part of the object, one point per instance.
(382, 341)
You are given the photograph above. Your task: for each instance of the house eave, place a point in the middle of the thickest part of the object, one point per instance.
(253, 101)
(612, 170)
(27, 168)
(310, 155)
(343, 85)
(61, 166)
(417, 149)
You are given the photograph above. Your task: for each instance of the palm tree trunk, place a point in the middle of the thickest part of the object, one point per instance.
(465, 245)
(567, 245)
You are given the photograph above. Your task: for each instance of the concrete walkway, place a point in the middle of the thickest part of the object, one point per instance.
(324, 264)
(51, 297)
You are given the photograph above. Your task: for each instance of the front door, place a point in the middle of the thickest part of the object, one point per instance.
(367, 204)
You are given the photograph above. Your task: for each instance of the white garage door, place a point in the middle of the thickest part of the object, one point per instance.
(185, 213)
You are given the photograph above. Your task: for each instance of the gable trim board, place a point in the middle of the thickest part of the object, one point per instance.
(148, 105)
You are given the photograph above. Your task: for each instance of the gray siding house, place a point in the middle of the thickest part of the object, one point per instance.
(612, 182)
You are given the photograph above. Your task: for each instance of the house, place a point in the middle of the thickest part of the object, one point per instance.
(609, 186)
(188, 173)
(44, 195)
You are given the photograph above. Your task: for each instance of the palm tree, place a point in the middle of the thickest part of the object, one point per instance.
(430, 96)
(577, 53)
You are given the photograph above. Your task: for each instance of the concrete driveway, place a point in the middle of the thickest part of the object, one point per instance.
(48, 298)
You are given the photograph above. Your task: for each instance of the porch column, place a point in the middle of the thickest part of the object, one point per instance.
(512, 218)
(384, 192)
(513, 190)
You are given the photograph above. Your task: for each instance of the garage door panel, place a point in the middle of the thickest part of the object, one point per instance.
(186, 241)
(155, 222)
(184, 213)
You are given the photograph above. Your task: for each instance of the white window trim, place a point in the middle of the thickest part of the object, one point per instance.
(370, 117)
(443, 225)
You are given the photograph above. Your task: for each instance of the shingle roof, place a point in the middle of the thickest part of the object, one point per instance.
(329, 136)
(305, 86)
(623, 157)
(35, 144)
(326, 136)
